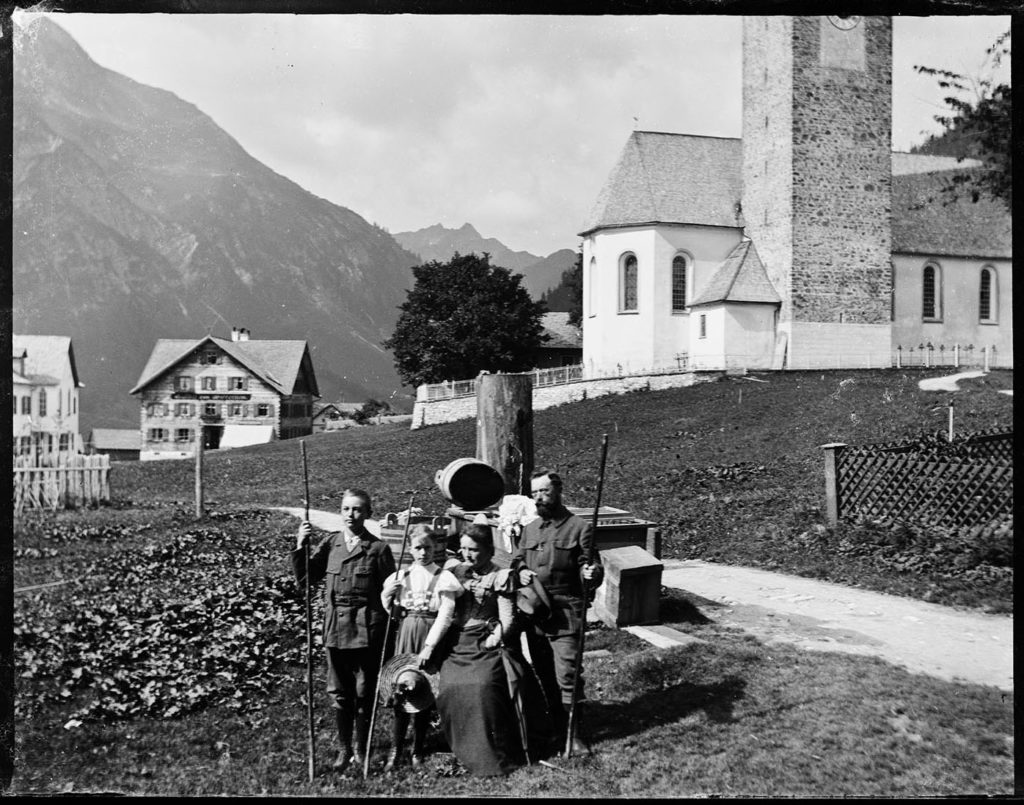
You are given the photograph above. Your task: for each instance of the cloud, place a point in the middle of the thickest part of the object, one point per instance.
(508, 122)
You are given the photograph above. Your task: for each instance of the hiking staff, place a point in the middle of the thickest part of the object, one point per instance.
(387, 636)
(309, 628)
(570, 733)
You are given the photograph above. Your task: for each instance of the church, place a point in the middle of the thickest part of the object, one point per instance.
(806, 244)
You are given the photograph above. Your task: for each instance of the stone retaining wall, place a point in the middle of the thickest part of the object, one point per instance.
(435, 412)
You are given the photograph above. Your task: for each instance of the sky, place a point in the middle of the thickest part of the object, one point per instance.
(510, 123)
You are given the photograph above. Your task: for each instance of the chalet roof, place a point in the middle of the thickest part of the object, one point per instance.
(45, 357)
(672, 178)
(562, 335)
(740, 278)
(116, 439)
(924, 221)
(277, 363)
(341, 408)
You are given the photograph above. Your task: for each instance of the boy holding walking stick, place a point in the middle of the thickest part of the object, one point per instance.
(354, 564)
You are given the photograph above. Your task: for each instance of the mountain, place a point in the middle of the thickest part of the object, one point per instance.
(439, 243)
(136, 217)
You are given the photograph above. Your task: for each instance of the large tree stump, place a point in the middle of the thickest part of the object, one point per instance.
(504, 428)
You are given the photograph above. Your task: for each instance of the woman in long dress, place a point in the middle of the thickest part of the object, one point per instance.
(490, 702)
(425, 594)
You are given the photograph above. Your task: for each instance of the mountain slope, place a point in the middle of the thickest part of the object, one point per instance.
(136, 217)
(439, 243)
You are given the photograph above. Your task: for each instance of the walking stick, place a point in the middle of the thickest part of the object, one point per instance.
(309, 629)
(570, 733)
(384, 649)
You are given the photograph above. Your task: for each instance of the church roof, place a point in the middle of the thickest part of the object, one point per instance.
(740, 278)
(925, 221)
(672, 178)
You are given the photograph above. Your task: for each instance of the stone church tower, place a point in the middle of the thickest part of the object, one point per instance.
(817, 178)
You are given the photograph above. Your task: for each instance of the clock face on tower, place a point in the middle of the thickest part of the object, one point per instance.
(845, 23)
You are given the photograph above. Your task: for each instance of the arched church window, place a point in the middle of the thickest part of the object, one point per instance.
(987, 295)
(679, 272)
(628, 284)
(931, 293)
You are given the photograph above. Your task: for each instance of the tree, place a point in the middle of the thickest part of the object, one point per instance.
(977, 127)
(463, 317)
(370, 409)
(568, 294)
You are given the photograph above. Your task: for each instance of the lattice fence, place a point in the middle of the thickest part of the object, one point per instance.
(70, 480)
(966, 483)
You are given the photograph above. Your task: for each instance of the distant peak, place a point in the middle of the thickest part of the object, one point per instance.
(468, 229)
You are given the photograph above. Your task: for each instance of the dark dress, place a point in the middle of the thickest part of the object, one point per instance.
(480, 687)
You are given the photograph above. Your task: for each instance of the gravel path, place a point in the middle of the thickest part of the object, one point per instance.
(947, 643)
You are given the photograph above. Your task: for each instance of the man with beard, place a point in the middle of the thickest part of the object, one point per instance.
(557, 549)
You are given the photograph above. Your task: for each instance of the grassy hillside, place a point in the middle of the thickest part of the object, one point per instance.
(733, 470)
(163, 656)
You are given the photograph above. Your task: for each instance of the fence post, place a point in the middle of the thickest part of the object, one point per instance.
(986, 359)
(956, 356)
(832, 491)
(950, 419)
(199, 475)
(899, 356)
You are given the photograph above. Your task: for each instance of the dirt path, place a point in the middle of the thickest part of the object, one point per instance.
(819, 616)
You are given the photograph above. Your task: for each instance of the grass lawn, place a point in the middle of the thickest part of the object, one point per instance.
(171, 659)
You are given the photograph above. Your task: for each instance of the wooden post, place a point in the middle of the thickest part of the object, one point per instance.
(199, 475)
(832, 491)
(504, 427)
(950, 419)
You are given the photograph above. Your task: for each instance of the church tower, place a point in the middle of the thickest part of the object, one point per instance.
(817, 176)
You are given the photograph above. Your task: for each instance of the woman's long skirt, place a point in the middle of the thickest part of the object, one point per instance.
(482, 724)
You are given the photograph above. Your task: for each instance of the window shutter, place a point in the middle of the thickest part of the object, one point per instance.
(270, 409)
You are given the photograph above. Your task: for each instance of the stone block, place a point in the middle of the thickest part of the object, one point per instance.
(630, 592)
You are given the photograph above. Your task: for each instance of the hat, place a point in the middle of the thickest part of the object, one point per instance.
(404, 682)
(532, 599)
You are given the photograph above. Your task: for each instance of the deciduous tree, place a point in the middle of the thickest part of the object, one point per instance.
(977, 127)
(463, 317)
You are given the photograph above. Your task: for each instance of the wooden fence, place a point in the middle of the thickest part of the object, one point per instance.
(66, 480)
(963, 483)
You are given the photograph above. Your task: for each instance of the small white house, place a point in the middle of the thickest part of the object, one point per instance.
(45, 395)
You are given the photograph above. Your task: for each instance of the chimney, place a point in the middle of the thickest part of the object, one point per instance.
(243, 334)
(234, 333)
(19, 362)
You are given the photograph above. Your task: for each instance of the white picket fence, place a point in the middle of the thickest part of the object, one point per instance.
(62, 480)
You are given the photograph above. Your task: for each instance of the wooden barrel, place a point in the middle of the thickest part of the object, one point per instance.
(470, 484)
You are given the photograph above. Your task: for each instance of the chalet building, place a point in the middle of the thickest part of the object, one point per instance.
(334, 416)
(45, 395)
(120, 444)
(564, 346)
(807, 243)
(227, 393)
